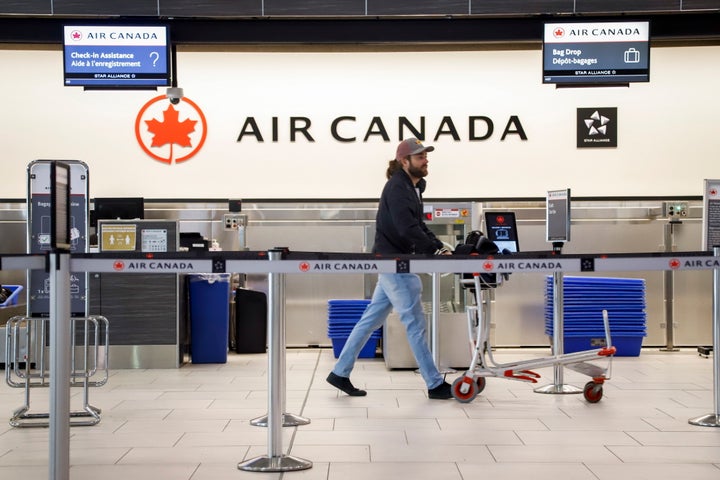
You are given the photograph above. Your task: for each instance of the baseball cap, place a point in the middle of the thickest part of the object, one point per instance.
(411, 146)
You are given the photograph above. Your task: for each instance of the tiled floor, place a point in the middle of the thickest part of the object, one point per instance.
(193, 423)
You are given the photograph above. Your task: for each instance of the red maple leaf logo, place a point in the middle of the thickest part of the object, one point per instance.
(157, 137)
(171, 130)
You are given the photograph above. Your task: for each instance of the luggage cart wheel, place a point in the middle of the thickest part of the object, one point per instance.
(593, 392)
(464, 389)
(481, 382)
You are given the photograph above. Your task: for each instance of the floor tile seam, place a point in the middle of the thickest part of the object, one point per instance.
(120, 458)
(589, 470)
(291, 442)
(637, 442)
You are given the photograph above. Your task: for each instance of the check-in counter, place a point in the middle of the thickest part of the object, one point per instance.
(147, 313)
(454, 347)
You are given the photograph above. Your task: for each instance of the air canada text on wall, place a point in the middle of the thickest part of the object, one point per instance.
(349, 129)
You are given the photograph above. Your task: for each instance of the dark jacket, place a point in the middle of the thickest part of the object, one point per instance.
(399, 224)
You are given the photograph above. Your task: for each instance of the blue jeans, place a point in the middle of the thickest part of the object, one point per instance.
(401, 291)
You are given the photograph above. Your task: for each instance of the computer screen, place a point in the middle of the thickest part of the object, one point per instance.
(118, 208)
(501, 229)
(193, 241)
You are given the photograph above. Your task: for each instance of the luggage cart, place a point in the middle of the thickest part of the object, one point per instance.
(482, 365)
(26, 364)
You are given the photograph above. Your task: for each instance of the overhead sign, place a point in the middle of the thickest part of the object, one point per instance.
(116, 56)
(596, 52)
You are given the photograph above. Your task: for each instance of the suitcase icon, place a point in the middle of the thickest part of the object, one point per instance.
(632, 56)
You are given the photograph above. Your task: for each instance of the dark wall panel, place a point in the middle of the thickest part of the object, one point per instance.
(612, 6)
(417, 7)
(26, 7)
(701, 4)
(416, 29)
(484, 7)
(211, 8)
(95, 7)
(314, 7)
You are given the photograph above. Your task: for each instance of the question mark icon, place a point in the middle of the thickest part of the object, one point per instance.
(155, 56)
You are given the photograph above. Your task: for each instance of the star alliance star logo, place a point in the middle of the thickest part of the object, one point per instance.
(597, 127)
(597, 124)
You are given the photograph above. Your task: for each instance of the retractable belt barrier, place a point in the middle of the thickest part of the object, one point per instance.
(280, 261)
(349, 263)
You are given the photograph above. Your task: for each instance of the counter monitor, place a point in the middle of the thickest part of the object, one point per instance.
(501, 228)
(118, 208)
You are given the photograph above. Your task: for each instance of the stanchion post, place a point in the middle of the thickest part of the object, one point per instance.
(275, 461)
(434, 327)
(669, 294)
(558, 326)
(288, 419)
(713, 419)
(435, 314)
(558, 385)
(60, 368)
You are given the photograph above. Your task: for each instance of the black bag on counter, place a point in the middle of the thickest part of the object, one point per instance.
(476, 242)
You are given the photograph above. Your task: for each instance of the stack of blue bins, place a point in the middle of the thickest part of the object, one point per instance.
(584, 299)
(342, 317)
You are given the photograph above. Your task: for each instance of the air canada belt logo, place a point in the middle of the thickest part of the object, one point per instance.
(170, 133)
(597, 127)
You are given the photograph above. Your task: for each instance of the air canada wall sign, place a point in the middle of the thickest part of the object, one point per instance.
(170, 133)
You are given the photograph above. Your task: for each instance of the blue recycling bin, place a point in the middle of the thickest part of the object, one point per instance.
(209, 298)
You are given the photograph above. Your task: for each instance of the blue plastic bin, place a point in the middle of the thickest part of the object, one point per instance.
(343, 314)
(368, 351)
(209, 317)
(584, 299)
(12, 299)
(626, 345)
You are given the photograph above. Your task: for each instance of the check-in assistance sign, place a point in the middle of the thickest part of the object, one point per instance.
(116, 55)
